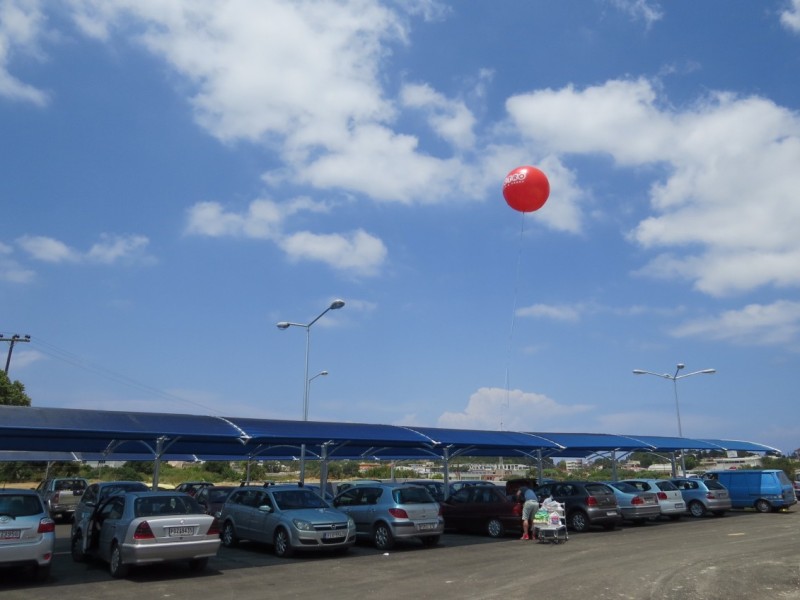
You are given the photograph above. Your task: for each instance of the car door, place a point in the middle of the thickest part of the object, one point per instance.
(263, 522)
(457, 509)
(353, 503)
(107, 523)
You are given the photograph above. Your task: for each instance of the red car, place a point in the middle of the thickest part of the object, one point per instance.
(482, 509)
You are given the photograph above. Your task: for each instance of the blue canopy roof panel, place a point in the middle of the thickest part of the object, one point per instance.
(109, 433)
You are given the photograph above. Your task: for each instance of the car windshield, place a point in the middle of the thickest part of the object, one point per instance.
(412, 495)
(70, 485)
(121, 488)
(151, 506)
(296, 499)
(19, 505)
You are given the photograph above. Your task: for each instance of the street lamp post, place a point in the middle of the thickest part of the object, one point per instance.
(335, 305)
(674, 378)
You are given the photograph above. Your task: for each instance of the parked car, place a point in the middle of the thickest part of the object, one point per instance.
(763, 489)
(192, 487)
(387, 512)
(27, 533)
(634, 505)
(703, 496)
(212, 498)
(288, 517)
(139, 528)
(61, 495)
(96, 493)
(586, 503)
(482, 509)
(670, 500)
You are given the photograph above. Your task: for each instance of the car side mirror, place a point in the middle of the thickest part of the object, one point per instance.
(265, 508)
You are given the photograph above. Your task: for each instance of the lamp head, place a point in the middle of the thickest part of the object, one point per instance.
(283, 325)
(708, 371)
(681, 366)
(336, 304)
(639, 372)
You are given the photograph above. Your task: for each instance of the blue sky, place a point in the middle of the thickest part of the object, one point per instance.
(178, 176)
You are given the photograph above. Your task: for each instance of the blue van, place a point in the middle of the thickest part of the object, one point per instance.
(765, 490)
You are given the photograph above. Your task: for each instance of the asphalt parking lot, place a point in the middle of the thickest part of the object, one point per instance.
(742, 555)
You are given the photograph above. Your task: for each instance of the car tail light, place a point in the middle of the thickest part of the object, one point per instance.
(143, 532)
(214, 528)
(710, 495)
(54, 497)
(591, 501)
(46, 525)
(637, 500)
(662, 496)
(399, 513)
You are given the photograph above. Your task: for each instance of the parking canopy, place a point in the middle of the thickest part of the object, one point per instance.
(116, 434)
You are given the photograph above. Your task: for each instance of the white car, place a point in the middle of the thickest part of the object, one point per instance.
(670, 499)
(27, 533)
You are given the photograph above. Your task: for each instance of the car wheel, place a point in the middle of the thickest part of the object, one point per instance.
(763, 506)
(282, 543)
(495, 528)
(579, 521)
(429, 541)
(198, 565)
(115, 566)
(42, 573)
(697, 509)
(229, 539)
(382, 537)
(75, 548)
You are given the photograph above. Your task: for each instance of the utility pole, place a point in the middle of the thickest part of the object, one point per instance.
(13, 340)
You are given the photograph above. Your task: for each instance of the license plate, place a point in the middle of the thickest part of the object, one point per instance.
(426, 526)
(679, 505)
(180, 531)
(10, 534)
(332, 535)
(611, 513)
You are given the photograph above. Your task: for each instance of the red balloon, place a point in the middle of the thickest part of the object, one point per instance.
(526, 189)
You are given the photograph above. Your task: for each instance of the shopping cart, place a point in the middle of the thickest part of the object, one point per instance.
(550, 523)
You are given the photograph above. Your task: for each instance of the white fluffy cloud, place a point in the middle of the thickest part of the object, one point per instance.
(755, 324)
(355, 252)
(511, 410)
(21, 27)
(790, 17)
(728, 207)
(110, 249)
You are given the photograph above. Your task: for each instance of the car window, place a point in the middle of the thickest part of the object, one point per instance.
(71, 485)
(297, 499)
(412, 495)
(666, 486)
(642, 486)
(348, 498)
(626, 488)
(462, 496)
(91, 494)
(597, 489)
(713, 484)
(20, 505)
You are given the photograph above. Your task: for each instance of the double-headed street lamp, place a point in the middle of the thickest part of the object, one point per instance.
(335, 305)
(674, 378)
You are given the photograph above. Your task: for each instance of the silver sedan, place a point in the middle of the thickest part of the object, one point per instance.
(139, 528)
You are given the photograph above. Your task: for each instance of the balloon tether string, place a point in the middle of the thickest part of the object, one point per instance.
(513, 315)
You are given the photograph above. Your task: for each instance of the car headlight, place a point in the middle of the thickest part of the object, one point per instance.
(351, 524)
(303, 525)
